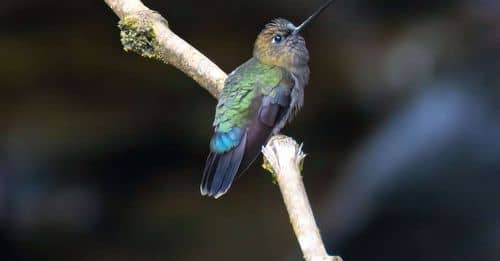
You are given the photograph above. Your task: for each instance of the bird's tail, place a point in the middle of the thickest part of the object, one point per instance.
(221, 169)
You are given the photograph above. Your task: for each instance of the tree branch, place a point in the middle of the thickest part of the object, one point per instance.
(283, 157)
(146, 32)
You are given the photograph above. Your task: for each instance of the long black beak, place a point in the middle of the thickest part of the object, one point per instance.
(308, 20)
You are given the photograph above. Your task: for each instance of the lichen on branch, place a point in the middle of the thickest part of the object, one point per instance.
(138, 37)
(147, 33)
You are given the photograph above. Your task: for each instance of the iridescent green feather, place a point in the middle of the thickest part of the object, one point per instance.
(247, 82)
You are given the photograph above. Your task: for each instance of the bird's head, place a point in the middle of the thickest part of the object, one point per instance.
(280, 43)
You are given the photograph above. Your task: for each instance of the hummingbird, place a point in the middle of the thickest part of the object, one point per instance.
(258, 99)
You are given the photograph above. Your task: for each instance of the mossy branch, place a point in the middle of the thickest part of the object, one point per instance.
(146, 32)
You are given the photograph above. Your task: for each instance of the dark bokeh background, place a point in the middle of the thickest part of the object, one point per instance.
(101, 152)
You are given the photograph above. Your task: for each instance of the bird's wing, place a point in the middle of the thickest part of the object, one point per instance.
(250, 105)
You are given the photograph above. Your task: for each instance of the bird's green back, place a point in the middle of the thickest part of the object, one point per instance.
(242, 86)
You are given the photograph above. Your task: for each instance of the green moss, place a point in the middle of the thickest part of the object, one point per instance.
(138, 37)
(267, 166)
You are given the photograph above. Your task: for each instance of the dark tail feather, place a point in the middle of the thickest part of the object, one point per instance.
(220, 170)
(255, 140)
(258, 133)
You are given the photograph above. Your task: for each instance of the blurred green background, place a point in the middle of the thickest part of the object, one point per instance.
(101, 152)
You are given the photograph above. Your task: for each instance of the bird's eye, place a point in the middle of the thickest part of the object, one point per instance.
(277, 38)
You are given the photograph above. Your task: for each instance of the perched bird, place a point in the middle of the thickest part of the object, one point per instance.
(258, 99)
